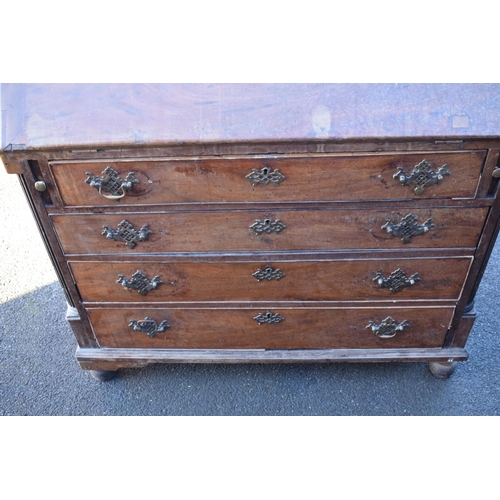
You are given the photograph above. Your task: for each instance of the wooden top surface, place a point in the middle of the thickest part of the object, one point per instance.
(64, 115)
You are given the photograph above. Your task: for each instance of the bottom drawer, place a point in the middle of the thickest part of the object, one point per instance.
(274, 328)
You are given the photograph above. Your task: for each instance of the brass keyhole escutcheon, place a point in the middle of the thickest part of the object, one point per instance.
(265, 176)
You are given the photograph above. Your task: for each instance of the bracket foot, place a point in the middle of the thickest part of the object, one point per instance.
(442, 369)
(103, 375)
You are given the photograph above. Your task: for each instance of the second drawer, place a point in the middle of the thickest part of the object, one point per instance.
(273, 230)
(389, 279)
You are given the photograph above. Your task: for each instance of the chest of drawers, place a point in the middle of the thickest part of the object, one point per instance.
(312, 249)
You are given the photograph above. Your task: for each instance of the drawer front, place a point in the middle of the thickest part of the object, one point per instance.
(438, 278)
(289, 179)
(287, 329)
(274, 230)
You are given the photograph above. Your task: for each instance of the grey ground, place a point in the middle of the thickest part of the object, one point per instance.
(39, 375)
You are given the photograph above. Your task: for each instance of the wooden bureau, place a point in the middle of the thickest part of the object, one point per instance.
(261, 243)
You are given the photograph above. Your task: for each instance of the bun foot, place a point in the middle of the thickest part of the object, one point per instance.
(442, 370)
(103, 375)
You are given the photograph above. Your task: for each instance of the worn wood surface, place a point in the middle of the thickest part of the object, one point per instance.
(305, 328)
(77, 115)
(485, 246)
(464, 328)
(192, 146)
(305, 230)
(311, 178)
(235, 281)
(114, 359)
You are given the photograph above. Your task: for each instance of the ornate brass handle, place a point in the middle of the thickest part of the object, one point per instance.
(408, 227)
(268, 226)
(268, 273)
(265, 176)
(127, 233)
(149, 326)
(396, 281)
(139, 282)
(111, 185)
(269, 318)
(421, 176)
(388, 328)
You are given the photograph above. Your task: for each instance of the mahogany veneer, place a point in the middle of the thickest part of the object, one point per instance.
(307, 178)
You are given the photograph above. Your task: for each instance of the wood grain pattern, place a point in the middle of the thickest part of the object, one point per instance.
(305, 230)
(325, 280)
(114, 359)
(316, 178)
(78, 115)
(301, 329)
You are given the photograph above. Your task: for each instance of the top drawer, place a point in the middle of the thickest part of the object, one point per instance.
(269, 179)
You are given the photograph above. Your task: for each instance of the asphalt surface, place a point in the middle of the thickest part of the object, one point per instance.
(40, 376)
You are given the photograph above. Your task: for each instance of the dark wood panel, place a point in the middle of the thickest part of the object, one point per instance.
(300, 329)
(334, 280)
(273, 148)
(313, 178)
(305, 230)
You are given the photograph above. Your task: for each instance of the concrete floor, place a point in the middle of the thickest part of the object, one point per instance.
(39, 375)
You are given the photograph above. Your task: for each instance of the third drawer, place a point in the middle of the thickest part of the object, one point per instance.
(329, 280)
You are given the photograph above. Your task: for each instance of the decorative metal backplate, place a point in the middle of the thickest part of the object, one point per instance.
(268, 226)
(111, 185)
(396, 281)
(421, 176)
(408, 227)
(149, 326)
(127, 233)
(388, 328)
(269, 318)
(265, 176)
(268, 273)
(139, 282)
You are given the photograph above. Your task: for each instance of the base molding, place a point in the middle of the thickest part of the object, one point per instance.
(114, 359)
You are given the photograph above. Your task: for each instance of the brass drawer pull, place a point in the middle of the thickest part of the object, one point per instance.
(269, 318)
(408, 227)
(268, 273)
(268, 226)
(139, 282)
(396, 281)
(265, 176)
(149, 326)
(388, 328)
(111, 185)
(421, 176)
(127, 233)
